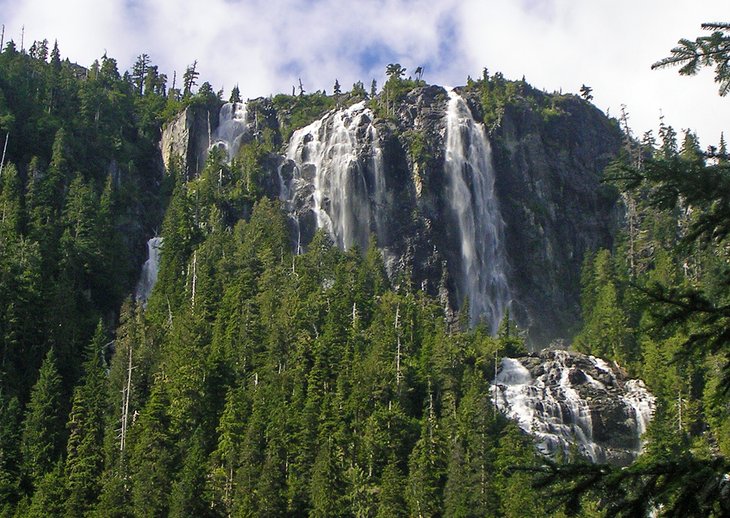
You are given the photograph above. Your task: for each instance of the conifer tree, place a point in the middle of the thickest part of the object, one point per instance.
(225, 459)
(10, 460)
(50, 494)
(152, 458)
(188, 492)
(43, 425)
(235, 95)
(12, 210)
(391, 502)
(84, 453)
(427, 468)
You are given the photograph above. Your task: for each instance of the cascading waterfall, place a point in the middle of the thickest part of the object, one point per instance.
(334, 177)
(566, 399)
(231, 127)
(148, 277)
(472, 198)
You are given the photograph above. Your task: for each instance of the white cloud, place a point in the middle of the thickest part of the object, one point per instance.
(606, 44)
(266, 45)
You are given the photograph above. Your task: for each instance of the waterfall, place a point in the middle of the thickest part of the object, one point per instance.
(148, 277)
(472, 199)
(231, 127)
(566, 399)
(338, 175)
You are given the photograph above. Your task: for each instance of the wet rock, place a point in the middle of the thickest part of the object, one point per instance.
(557, 396)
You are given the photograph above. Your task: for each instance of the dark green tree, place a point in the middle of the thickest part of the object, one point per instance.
(43, 434)
(10, 460)
(188, 491)
(152, 458)
(84, 452)
(585, 92)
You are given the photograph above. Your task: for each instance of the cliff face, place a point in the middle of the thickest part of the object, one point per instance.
(187, 138)
(555, 207)
(500, 220)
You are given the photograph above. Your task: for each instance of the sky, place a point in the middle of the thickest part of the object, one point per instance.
(266, 46)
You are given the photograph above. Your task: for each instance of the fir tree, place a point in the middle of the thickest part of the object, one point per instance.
(84, 453)
(10, 460)
(43, 425)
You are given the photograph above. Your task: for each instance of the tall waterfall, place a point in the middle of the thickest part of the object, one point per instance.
(148, 277)
(471, 196)
(338, 174)
(566, 399)
(231, 127)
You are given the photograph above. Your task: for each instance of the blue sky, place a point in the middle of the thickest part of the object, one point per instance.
(265, 46)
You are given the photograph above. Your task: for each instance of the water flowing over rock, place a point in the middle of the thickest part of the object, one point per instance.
(471, 196)
(148, 277)
(231, 128)
(501, 216)
(565, 399)
(333, 176)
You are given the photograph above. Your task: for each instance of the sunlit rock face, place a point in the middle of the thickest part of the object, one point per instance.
(572, 401)
(187, 139)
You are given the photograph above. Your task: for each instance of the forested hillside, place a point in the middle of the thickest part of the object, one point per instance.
(261, 381)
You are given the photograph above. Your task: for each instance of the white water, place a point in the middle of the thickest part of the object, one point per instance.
(471, 197)
(551, 409)
(148, 277)
(642, 402)
(336, 170)
(231, 127)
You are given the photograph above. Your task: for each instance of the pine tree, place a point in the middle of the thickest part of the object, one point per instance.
(12, 210)
(84, 453)
(43, 425)
(427, 469)
(49, 495)
(188, 491)
(139, 72)
(391, 503)
(190, 79)
(235, 95)
(225, 459)
(327, 485)
(516, 496)
(152, 458)
(10, 460)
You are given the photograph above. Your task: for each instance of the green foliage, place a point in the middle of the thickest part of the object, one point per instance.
(703, 51)
(297, 111)
(84, 451)
(394, 90)
(10, 460)
(259, 382)
(43, 424)
(670, 297)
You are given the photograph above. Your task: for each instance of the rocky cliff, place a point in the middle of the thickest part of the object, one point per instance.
(496, 218)
(187, 137)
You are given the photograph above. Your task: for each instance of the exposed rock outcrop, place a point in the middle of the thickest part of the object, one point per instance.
(571, 400)
(187, 138)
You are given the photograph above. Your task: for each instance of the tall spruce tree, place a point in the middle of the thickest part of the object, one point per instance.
(84, 452)
(43, 433)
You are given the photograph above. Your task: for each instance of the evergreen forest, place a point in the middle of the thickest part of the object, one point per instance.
(260, 382)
